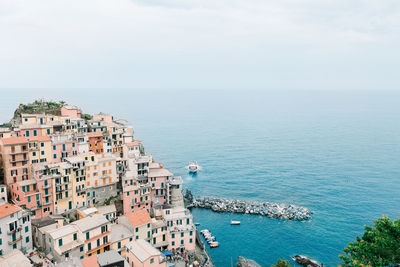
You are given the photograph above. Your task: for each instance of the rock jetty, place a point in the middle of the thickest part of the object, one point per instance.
(306, 261)
(272, 210)
(243, 262)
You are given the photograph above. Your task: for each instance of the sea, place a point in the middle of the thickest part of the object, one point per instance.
(335, 152)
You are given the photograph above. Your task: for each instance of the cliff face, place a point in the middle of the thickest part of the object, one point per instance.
(243, 262)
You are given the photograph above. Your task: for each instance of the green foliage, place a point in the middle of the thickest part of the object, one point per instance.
(87, 116)
(379, 245)
(6, 125)
(281, 263)
(108, 200)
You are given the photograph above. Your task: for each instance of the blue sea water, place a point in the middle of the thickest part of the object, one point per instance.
(289, 147)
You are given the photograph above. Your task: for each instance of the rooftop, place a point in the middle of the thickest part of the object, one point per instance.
(13, 140)
(94, 134)
(8, 209)
(14, 259)
(142, 249)
(109, 257)
(119, 232)
(90, 261)
(134, 143)
(107, 209)
(138, 218)
(63, 231)
(159, 172)
(90, 222)
(39, 138)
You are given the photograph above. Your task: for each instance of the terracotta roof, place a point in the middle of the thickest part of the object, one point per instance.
(7, 209)
(139, 217)
(13, 140)
(135, 143)
(94, 134)
(39, 138)
(90, 261)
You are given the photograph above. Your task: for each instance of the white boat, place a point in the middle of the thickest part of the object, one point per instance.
(193, 167)
(235, 222)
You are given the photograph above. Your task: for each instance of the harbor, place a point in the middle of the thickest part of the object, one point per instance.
(272, 210)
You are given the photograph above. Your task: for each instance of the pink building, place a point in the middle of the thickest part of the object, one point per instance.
(35, 196)
(63, 146)
(95, 142)
(158, 178)
(71, 111)
(135, 196)
(141, 253)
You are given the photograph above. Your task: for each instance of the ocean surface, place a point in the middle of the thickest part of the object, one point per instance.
(336, 153)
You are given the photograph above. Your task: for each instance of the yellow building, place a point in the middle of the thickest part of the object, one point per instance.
(39, 149)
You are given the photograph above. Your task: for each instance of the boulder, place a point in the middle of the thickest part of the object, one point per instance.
(243, 262)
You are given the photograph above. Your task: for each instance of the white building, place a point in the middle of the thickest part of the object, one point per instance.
(15, 229)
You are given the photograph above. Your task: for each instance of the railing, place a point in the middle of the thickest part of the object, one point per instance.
(46, 186)
(17, 160)
(15, 241)
(19, 152)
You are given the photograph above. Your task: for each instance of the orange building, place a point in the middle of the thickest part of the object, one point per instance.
(95, 142)
(15, 159)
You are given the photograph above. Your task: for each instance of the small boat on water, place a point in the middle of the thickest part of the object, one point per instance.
(196, 224)
(235, 222)
(214, 244)
(193, 167)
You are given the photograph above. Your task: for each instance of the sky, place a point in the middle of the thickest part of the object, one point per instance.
(200, 44)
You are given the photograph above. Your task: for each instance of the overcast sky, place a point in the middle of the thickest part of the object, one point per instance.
(205, 44)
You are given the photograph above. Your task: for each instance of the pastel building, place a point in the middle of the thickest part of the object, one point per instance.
(95, 231)
(30, 195)
(39, 149)
(14, 154)
(101, 177)
(135, 196)
(182, 232)
(139, 223)
(95, 142)
(15, 229)
(141, 253)
(159, 178)
(71, 111)
(63, 145)
(120, 237)
(32, 130)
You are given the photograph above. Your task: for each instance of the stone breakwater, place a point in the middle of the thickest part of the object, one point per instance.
(272, 210)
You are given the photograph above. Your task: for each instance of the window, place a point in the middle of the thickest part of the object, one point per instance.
(67, 255)
(89, 246)
(173, 235)
(60, 242)
(27, 239)
(75, 236)
(48, 131)
(137, 229)
(173, 243)
(29, 198)
(191, 233)
(87, 236)
(148, 225)
(34, 153)
(81, 249)
(182, 234)
(54, 147)
(26, 229)
(190, 240)
(119, 244)
(42, 144)
(182, 242)
(27, 133)
(42, 152)
(151, 260)
(54, 156)
(98, 242)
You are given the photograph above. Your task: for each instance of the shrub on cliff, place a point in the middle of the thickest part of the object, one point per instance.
(281, 263)
(379, 245)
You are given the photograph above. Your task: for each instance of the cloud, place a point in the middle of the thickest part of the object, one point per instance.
(197, 43)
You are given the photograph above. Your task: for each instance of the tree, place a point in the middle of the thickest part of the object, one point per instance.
(379, 245)
(281, 263)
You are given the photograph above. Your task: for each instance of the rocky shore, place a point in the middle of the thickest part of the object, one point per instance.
(243, 262)
(272, 210)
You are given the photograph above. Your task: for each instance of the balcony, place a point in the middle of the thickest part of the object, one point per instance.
(46, 186)
(10, 232)
(37, 207)
(62, 189)
(18, 160)
(15, 241)
(19, 152)
(47, 195)
(47, 203)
